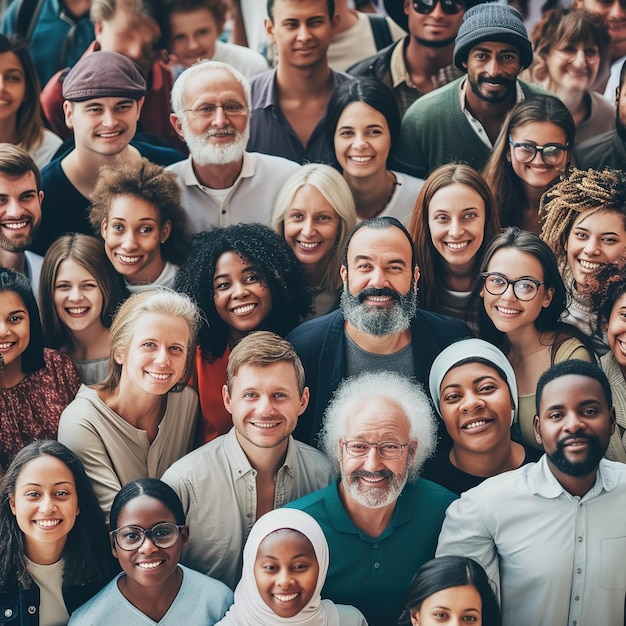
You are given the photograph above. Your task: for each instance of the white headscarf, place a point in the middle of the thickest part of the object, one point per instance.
(249, 608)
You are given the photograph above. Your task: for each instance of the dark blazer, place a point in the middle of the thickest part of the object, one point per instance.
(320, 344)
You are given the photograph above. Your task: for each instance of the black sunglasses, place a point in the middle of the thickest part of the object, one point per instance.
(450, 7)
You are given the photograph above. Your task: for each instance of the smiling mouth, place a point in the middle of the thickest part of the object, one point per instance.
(7, 344)
(78, 310)
(461, 245)
(285, 597)
(309, 245)
(361, 160)
(589, 265)
(110, 135)
(475, 424)
(244, 309)
(128, 259)
(158, 376)
(16, 225)
(504, 311)
(267, 425)
(149, 564)
(47, 523)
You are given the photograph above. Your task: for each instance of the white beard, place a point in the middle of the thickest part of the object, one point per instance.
(204, 153)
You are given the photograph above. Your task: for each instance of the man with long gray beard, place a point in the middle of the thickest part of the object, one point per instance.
(380, 519)
(222, 184)
(378, 326)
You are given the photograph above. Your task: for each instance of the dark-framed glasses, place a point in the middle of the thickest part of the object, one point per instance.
(551, 153)
(450, 7)
(163, 535)
(524, 288)
(386, 449)
(208, 110)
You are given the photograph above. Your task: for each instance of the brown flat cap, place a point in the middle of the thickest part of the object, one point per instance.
(104, 75)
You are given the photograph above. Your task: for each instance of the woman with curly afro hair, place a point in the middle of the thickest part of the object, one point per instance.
(585, 225)
(244, 278)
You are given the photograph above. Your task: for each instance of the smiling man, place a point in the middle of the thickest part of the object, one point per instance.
(228, 483)
(461, 121)
(20, 212)
(378, 327)
(553, 533)
(104, 93)
(221, 182)
(289, 102)
(380, 519)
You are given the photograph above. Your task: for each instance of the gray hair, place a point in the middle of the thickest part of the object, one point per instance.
(396, 388)
(193, 72)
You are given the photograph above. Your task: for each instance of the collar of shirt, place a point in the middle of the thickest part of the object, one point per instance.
(191, 180)
(397, 65)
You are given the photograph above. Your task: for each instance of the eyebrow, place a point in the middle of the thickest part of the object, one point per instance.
(365, 257)
(474, 382)
(61, 482)
(250, 268)
(608, 232)
(584, 403)
(141, 219)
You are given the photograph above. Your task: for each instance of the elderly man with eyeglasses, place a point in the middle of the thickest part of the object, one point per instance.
(380, 519)
(222, 184)
(461, 121)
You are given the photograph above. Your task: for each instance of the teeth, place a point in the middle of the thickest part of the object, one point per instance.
(286, 597)
(15, 225)
(475, 424)
(379, 298)
(48, 523)
(457, 246)
(5, 346)
(128, 259)
(158, 376)
(151, 565)
(265, 424)
(507, 311)
(246, 308)
(588, 265)
(308, 245)
(78, 310)
(109, 135)
(361, 159)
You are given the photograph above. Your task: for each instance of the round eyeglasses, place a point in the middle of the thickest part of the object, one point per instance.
(551, 153)
(524, 288)
(450, 7)
(163, 536)
(570, 53)
(208, 110)
(386, 449)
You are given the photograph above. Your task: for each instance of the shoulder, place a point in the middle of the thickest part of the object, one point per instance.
(350, 615)
(530, 89)
(315, 327)
(442, 325)
(312, 501)
(205, 584)
(269, 162)
(433, 100)
(426, 490)
(97, 608)
(191, 467)
(185, 400)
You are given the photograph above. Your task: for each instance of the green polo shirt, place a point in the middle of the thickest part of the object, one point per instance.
(373, 573)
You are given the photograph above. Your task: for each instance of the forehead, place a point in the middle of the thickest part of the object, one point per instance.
(144, 511)
(380, 416)
(572, 390)
(299, 9)
(104, 101)
(495, 47)
(279, 375)
(211, 83)
(380, 241)
(469, 373)
(17, 184)
(601, 221)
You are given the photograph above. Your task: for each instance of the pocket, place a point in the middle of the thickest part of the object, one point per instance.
(613, 563)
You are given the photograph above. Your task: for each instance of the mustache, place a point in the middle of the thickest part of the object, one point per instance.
(372, 291)
(562, 443)
(384, 474)
(220, 132)
(495, 80)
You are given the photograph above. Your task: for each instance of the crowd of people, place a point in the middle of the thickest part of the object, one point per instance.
(312, 312)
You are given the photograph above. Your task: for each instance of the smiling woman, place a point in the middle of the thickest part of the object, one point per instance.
(142, 418)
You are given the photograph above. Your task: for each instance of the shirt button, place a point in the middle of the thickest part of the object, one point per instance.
(580, 539)
(376, 565)
(574, 623)
(248, 515)
(579, 571)
(8, 613)
(223, 211)
(375, 546)
(576, 598)
(32, 610)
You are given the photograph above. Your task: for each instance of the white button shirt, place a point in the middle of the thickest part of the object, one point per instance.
(559, 559)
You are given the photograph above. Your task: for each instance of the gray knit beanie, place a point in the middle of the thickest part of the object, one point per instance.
(492, 22)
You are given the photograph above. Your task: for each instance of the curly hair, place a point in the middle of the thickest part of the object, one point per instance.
(429, 260)
(506, 185)
(276, 265)
(149, 182)
(565, 26)
(87, 252)
(606, 287)
(580, 192)
(87, 552)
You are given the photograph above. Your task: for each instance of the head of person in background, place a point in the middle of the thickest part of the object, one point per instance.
(20, 211)
(21, 121)
(135, 28)
(136, 208)
(285, 539)
(474, 390)
(211, 112)
(195, 27)
(453, 221)
(613, 14)
(455, 589)
(314, 212)
(362, 129)
(244, 277)
(46, 476)
(79, 293)
(523, 298)
(585, 223)
(533, 149)
(570, 46)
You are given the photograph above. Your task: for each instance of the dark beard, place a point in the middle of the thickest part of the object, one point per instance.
(492, 99)
(437, 43)
(583, 468)
(379, 321)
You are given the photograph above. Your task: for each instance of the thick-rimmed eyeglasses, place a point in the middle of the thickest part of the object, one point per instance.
(524, 288)
(450, 7)
(209, 110)
(570, 53)
(163, 536)
(551, 153)
(386, 449)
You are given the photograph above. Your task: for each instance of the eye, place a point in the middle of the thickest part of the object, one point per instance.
(579, 234)
(610, 240)
(487, 388)
(526, 286)
(62, 493)
(145, 230)
(149, 344)
(296, 216)
(124, 107)
(269, 568)
(250, 395)
(91, 286)
(324, 218)
(179, 349)
(346, 133)
(496, 281)
(442, 219)
(555, 415)
(590, 412)
(280, 395)
(32, 494)
(222, 286)
(452, 397)
(28, 196)
(16, 319)
(251, 278)
(131, 535)
(116, 226)
(62, 286)
(470, 216)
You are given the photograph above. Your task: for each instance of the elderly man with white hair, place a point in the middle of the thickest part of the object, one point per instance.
(222, 184)
(380, 519)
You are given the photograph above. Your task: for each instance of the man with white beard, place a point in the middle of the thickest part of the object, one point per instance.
(222, 184)
(380, 519)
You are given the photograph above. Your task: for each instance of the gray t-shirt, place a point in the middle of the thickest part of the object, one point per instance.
(358, 360)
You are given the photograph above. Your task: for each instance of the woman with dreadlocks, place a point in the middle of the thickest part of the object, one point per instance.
(244, 278)
(585, 225)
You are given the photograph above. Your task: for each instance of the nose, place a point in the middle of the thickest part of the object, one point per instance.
(108, 117)
(359, 141)
(284, 578)
(372, 461)
(162, 357)
(75, 293)
(128, 240)
(219, 119)
(47, 505)
(437, 12)
(12, 209)
(616, 12)
(147, 547)
(308, 226)
(493, 66)
(455, 228)
(378, 278)
(579, 60)
(572, 422)
(592, 247)
(471, 401)
(193, 43)
(240, 289)
(303, 32)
